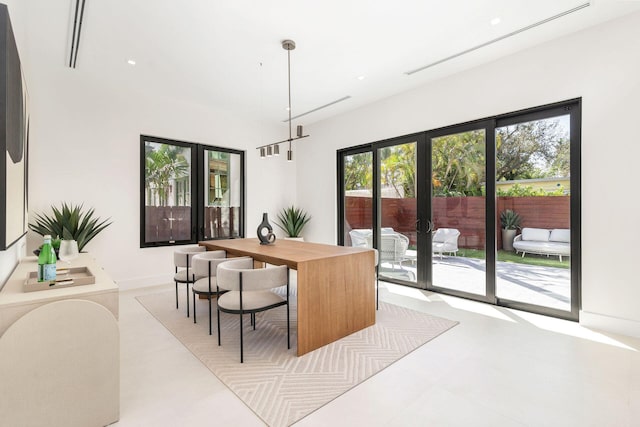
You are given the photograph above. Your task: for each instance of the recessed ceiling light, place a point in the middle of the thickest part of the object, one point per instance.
(495, 21)
(361, 77)
(286, 108)
(131, 62)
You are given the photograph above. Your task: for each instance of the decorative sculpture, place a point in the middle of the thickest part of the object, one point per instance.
(266, 238)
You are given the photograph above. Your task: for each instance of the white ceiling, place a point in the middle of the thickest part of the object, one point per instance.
(209, 52)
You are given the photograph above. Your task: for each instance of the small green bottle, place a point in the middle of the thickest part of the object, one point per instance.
(47, 261)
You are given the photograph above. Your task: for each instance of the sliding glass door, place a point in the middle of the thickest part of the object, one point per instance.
(458, 211)
(357, 206)
(396, 237)
(487, 210)
(536, 188)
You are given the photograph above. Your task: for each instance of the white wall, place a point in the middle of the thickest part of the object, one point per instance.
(602, 66)
(85, 149)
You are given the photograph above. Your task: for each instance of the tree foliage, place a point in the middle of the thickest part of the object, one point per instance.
(398, 169)
(458, 164)
(536, 149)
(358, 171)
(163, 165)
(516, 190)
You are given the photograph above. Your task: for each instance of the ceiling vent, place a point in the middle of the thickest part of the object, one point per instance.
(511, 34)
(319, 108)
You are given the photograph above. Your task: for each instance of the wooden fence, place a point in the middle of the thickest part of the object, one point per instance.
(167, 223)
(467, 214)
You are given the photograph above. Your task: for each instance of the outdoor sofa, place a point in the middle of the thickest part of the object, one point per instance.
(556, 242)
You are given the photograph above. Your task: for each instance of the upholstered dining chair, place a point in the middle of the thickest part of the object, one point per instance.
(204, 266)
(250, 292)
(183, 272)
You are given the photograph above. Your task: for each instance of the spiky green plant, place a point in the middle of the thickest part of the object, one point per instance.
(292, 220)
(510, 220)
(70, 223)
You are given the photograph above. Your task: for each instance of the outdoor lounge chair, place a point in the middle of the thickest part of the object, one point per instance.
(445, 240)
(393, 245)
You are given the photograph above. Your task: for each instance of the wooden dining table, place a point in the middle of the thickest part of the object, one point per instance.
(335, 286)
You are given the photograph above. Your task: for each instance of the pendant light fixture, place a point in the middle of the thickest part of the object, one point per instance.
(274, 148)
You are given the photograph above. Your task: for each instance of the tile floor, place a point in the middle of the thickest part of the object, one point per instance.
(498, 367)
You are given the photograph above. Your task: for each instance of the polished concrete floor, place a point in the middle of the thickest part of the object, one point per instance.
(498, 367)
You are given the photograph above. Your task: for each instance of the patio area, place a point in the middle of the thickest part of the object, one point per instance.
(539, 285)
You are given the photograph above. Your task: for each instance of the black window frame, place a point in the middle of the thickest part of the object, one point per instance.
(197, 190)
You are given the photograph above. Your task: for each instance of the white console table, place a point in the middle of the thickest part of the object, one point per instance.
(59, 351)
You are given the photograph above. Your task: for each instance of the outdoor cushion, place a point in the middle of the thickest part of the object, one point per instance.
(535, 234)
(552, 248)
(362, 237)
(560, 235)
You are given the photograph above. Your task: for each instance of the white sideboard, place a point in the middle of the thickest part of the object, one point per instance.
(59, 351)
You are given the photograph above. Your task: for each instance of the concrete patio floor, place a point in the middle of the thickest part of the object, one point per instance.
(538, 285)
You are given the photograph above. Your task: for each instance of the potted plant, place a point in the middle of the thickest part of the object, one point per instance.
(510, 222)
(292, 220)
(69, 223)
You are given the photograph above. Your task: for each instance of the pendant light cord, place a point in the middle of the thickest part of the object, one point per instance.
(289, 80)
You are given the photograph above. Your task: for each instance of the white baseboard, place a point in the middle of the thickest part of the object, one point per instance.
(610, 324)
(143, 282)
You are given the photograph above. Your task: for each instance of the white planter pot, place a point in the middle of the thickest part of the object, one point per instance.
(299, 239)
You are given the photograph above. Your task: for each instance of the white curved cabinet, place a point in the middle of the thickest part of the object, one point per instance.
(59, 352)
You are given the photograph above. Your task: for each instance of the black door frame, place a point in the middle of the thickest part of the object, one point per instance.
(488, 125)
(424, 194)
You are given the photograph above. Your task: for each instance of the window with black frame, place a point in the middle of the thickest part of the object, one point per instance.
(189, 192)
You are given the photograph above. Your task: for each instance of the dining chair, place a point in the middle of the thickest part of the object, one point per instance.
(204, 269)
(250, 292)
(183, 272)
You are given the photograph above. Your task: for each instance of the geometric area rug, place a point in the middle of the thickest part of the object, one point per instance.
(273, 382)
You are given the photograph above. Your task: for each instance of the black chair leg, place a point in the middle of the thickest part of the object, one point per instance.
(194, 305)
(176, 295)
(253, 320)
(187, 298)
(241, 343)
(218, 327)
(288, 329)
(209, 314)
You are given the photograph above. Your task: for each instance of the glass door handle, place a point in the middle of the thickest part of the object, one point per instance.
(419, 226)
(429, 226)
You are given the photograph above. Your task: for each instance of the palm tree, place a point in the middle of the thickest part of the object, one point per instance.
(163, 166)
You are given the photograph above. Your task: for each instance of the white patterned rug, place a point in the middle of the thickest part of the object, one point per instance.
(278, 386)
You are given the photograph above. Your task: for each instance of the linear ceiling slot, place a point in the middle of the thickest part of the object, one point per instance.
(513, 33)
(319, 108)
(77, 29)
